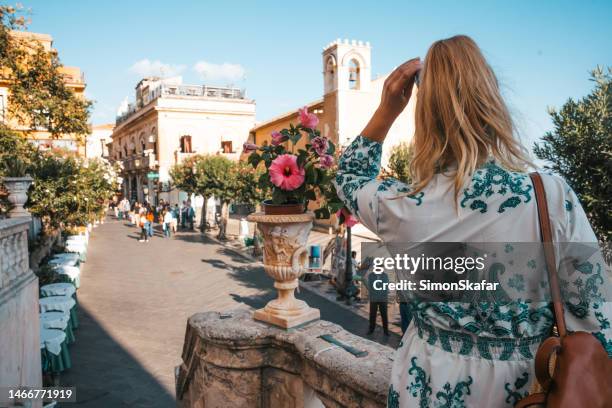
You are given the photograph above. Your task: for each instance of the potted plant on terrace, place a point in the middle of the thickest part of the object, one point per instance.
(295, 176)
(16, 181)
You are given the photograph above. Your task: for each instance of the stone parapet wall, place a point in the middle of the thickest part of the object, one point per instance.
(13, 250)
(19, 322)
(232, 360)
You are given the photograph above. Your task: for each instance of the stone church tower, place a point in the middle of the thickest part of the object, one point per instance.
(347, 78)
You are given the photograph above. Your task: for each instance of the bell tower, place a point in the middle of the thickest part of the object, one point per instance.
(347, 66)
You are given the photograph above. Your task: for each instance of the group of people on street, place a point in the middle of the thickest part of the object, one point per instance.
(144, 215)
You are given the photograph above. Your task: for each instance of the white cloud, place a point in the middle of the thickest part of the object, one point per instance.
(146, 67)
(225, 72)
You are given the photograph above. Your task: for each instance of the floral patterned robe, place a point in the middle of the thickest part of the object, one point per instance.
(463, 355)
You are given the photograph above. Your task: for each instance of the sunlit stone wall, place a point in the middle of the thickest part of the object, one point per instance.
(233, 361)
(19, 327)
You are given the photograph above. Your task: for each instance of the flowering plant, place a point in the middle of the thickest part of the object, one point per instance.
(298, 175)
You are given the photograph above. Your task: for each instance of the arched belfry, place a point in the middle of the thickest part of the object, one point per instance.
(347, 66)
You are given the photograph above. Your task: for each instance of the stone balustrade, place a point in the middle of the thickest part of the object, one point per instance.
(19, 327)
(14, 262)
(231, 360)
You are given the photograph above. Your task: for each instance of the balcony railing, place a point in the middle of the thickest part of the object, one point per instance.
(140, 161)
(193, 91)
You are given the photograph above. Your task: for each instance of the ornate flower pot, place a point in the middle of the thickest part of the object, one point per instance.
(17, 188)
(285, 256)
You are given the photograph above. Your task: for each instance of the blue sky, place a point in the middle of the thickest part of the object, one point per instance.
(541, 51)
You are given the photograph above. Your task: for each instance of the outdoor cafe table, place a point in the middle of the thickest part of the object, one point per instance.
(77, 248)
(73, 273)
(82, 238)
(58, 289)
(59, 321)
(55, 357)
(70, 259)
(61, 304)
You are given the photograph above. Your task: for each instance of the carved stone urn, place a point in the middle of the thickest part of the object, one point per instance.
(17, 188)
(285, 257)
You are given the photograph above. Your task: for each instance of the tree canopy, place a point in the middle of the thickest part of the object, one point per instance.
(39, 98)
(579, 148)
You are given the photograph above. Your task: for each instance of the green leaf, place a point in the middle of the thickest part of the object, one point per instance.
(254, 159)
(295, 137)
(278, 196)
(311, 174)
(331, 149)
(322, 213)
(302, 156)
(310, 195)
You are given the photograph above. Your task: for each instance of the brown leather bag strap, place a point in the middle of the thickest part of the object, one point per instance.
(549, 252)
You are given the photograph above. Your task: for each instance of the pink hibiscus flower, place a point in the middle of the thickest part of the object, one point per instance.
(326, 161)
(278, 138)
(320, 145)
(285, 172)
(349, 220)
(308, 120)
(249, 147)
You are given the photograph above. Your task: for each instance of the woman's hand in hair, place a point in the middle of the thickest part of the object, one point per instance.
(395, 96)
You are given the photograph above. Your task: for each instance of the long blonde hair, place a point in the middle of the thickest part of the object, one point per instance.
(461, 119)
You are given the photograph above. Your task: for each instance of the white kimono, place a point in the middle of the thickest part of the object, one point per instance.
(456, 355)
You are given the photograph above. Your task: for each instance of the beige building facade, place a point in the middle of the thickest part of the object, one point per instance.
(350, 97)
(98, 141)
(170, 121)
(74, 80)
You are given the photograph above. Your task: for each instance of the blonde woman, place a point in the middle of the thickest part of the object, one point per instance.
(469, 185)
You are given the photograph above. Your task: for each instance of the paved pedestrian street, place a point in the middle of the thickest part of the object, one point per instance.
(134, 302)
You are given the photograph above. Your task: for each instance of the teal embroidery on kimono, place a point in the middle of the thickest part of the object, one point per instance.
(492, 179)
(454, 397)
(508, 248)
(568, 205)
(512, 202)
(486, 330)
(420, 386)
(393, 185)
(580, 295)
(532, 264)
(517, 282)
(393, 398)
(607, 344)
(358, 165)
(604, 323)
(447, 397)
(517, 393)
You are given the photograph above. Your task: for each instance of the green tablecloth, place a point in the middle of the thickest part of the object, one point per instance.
(74, 320)
(52, 363)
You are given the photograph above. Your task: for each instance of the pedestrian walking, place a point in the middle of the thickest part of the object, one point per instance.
(150, 219)
(175, 218)
(183, 215)
(142, 222)
(379, 299)
(168, 220)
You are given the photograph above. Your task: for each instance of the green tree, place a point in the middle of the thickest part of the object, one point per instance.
(68, 191)
(399, 163)
(217, 177)
(39, 99)
(579, 148)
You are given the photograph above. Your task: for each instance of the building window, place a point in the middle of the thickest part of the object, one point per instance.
(226, 147)
(186, 144)
(330, 75)
(143, 146)
(354, 74)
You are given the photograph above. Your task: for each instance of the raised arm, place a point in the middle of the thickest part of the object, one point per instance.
(395, 96)
(359, 164)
